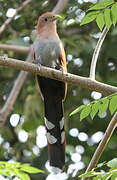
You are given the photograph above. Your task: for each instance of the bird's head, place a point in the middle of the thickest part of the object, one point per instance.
(47, 21)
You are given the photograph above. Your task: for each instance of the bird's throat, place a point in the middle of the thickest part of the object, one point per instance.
(48, 32)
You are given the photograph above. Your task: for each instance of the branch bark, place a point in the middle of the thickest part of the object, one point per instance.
(101, 147)
(9, 20)
(20, 49)
(58, 75)
(96, 53)
(47, 72)
(60, 6)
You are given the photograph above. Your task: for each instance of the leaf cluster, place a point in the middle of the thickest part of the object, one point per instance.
(104, 13)
(17, 169)
(99, 106)
(102, 175)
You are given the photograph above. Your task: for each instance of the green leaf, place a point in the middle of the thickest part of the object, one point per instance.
(89, 17)
(21, 175)
(13, 164)
(103, 106)
(102, 4)
(30, 169)
(107, 177)
(24, 176)
(77, 110)
(96, 178)
(3, 162)
(10, 170)
(101, 164)
(100, 21)
(4, 172)
(114, 13)
(107, 16)
(103, 176)
(112, 163)
(94, 109)
(113, 104)
(114, 176)
(85, 112)
(88, 174)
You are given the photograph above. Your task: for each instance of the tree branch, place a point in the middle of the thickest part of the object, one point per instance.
(20, 49)
(60, 6)
(8, 21)
(58, 75)
(96, 53)
(8, 106)
(101, 147)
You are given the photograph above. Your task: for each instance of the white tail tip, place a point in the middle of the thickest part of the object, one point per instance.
(56, 170)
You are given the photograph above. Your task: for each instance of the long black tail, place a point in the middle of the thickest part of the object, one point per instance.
(53, 93)
(54, 123)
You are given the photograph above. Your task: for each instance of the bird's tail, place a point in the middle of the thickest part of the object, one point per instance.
(54, 122)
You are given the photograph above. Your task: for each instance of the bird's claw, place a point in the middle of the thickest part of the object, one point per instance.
(38, 60)
(39, 66)
(62, 70)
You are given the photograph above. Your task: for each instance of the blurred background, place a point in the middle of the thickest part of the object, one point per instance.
(23, 137)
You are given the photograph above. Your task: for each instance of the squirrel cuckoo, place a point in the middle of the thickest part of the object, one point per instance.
(49, 52)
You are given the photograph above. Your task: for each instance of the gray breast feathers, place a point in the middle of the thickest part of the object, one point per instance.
(47, 52)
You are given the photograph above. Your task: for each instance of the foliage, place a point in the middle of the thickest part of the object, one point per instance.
(104, 13)
(103, 175)
(99, 106)
(17, 169)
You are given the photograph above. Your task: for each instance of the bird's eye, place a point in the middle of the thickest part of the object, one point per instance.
(46, 19)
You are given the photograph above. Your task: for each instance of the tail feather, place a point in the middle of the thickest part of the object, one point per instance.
(53, 94)
(54, 123)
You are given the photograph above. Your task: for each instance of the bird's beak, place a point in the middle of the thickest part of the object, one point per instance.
(57, 17)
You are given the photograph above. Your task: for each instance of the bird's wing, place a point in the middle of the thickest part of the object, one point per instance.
(62, 58)
(63, 64)
(36, 77)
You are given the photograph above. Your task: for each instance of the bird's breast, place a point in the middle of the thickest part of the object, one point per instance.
(47, 52)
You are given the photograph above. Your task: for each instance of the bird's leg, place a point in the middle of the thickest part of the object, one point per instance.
(62, 70)
(39, 65)
(38, 60)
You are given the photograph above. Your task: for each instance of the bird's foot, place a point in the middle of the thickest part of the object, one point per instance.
(39, 66)
(62, 70)
(38, 62)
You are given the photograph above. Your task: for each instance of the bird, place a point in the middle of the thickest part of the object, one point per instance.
(48, 51)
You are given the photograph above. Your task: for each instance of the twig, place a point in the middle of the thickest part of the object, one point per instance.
(96, 53)
(20, 49)
(60, 6)
(101, 147)
(8, 21)
(58, 75)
